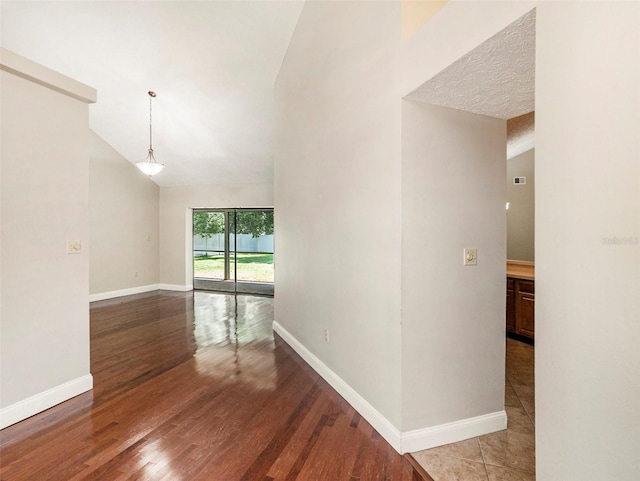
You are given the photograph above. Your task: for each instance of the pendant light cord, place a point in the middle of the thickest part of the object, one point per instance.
(150, 130)
(150, 166)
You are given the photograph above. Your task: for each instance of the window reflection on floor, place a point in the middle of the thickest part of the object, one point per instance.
(227, 328)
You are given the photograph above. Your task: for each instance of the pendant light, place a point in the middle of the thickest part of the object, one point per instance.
(150, 166)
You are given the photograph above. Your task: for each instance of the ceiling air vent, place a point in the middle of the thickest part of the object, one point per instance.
(519, 180)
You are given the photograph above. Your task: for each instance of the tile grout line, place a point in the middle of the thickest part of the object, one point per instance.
(526, 412)
(486, 471)
(522, 404)
(514, 390)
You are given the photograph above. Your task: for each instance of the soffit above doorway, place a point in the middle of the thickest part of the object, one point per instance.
(520, 134)
(497, 78)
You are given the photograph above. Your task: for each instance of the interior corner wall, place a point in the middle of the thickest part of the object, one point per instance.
(45, 204)
(587, 241)
(337, 200)
(176, 203)
(521, 213)
(453, 196)
(124, 210)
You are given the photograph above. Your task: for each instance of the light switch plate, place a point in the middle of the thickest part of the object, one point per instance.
(470, 256)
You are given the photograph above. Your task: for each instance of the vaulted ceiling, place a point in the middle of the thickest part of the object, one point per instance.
(212, 64)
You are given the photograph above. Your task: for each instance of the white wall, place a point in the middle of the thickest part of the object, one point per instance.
(521, 213)
(176, 250)
(45, 203)
(453, 195)
(587, 282)
(124, 223)
(337, 179)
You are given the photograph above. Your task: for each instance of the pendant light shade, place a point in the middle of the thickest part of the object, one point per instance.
(149, 165)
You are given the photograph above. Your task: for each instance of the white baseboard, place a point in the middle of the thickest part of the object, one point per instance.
(428, 438)
(40, 402)
(403, 442)
(176, 287)
(381, 424)
(101, 296)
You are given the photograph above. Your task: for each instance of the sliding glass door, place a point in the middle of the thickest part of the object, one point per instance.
(233, 250)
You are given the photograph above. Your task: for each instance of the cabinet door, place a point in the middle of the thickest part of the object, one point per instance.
(511, 306)
(525, 308)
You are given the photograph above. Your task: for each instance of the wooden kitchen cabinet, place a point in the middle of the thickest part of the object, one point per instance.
(520, 315)
(525, 303)
(511, 305)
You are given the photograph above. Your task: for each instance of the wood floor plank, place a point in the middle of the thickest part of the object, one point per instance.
(195, 386)
(296, 453)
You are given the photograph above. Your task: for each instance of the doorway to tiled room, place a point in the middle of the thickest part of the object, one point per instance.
(500, 83)
(502, 456)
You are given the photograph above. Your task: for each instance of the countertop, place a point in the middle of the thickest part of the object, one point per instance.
(521, 269)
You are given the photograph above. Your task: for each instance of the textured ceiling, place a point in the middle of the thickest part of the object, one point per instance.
(497, 78)
(520, 134)
(212, 64)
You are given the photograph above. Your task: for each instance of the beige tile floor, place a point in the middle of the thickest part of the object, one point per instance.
(503, 456)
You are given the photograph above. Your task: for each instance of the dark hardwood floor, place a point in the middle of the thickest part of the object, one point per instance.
(195, 386)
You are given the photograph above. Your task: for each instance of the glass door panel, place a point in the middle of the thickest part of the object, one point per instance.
(254, 262)
(233, 250)
(209, 245)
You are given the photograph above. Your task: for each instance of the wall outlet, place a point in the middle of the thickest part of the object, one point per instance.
(74, 247)
(470, 256)
(326, 335)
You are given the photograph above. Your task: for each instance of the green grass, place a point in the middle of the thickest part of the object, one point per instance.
(251, 267)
